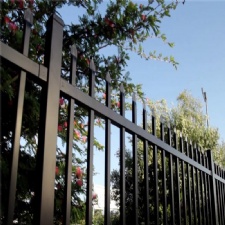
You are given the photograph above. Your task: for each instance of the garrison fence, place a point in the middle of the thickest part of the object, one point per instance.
(179, 184)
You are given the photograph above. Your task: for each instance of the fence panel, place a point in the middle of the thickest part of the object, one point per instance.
(187, 187)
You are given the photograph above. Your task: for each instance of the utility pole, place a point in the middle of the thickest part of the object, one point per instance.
(206, 109)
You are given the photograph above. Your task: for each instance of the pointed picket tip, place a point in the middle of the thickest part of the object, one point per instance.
(108, 78)
(186, 139)
(144, 106)
(190, 142)
(73, 50)
(181, 135)
(122, 88)
(92, 65)
(162, 120)
(153, 112)
(134, 97)
(168, 125)
(28, 16)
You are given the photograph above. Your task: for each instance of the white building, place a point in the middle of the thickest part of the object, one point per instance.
(100, 203)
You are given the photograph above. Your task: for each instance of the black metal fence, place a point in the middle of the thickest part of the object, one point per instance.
(182, 185)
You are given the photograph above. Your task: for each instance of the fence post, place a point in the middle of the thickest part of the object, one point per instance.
(47, 136)
(213, 188)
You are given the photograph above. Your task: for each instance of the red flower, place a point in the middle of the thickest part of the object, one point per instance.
(104, 96)
(79, 182)
(60, 128)
(61, 101)
(21, 4)
(78, 172)
(65, 124)
(118, 104)
(13, 27)
(31, 2)
(7, 20)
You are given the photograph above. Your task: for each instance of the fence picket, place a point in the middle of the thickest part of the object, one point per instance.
(28, 20)
(122, 159)
(90, 148)
(146, 176)
(107, 152)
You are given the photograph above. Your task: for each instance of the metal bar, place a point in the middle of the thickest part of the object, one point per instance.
(219, 201)
(223, 207)
(120, 121)
(213, 189)
(189, 187)
(163, 158)
(171, 180)
(202, 190)
(145, 127)
(198, 189)
(156, 181)
(69, 146)
(23, 62)
(223, 196)
(135, 163)
(90, 148)
(206, 192)
(49, 121)
(28, 20)
(209, 189)
(122, 159)
(183, 183)
(177, 196)
(177, 184)
(193, 186)
(107, 152)
(217, 177)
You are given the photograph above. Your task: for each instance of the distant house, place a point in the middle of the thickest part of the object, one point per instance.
(99, 204)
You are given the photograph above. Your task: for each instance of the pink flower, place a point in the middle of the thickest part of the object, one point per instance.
(61, 103)
(57, 170)
(77, 133)
(144, 18)
(84, 139)
(78, 172)
(118, 104)
(94, 196)
(104, 96)
(79, 182)
(65, 124)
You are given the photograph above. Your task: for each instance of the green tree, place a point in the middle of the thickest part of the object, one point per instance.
(124, 25)
(188, 118)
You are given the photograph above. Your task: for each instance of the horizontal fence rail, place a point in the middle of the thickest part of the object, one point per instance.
(183, 185)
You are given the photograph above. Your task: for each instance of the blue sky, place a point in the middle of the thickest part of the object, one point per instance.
(198, 30)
